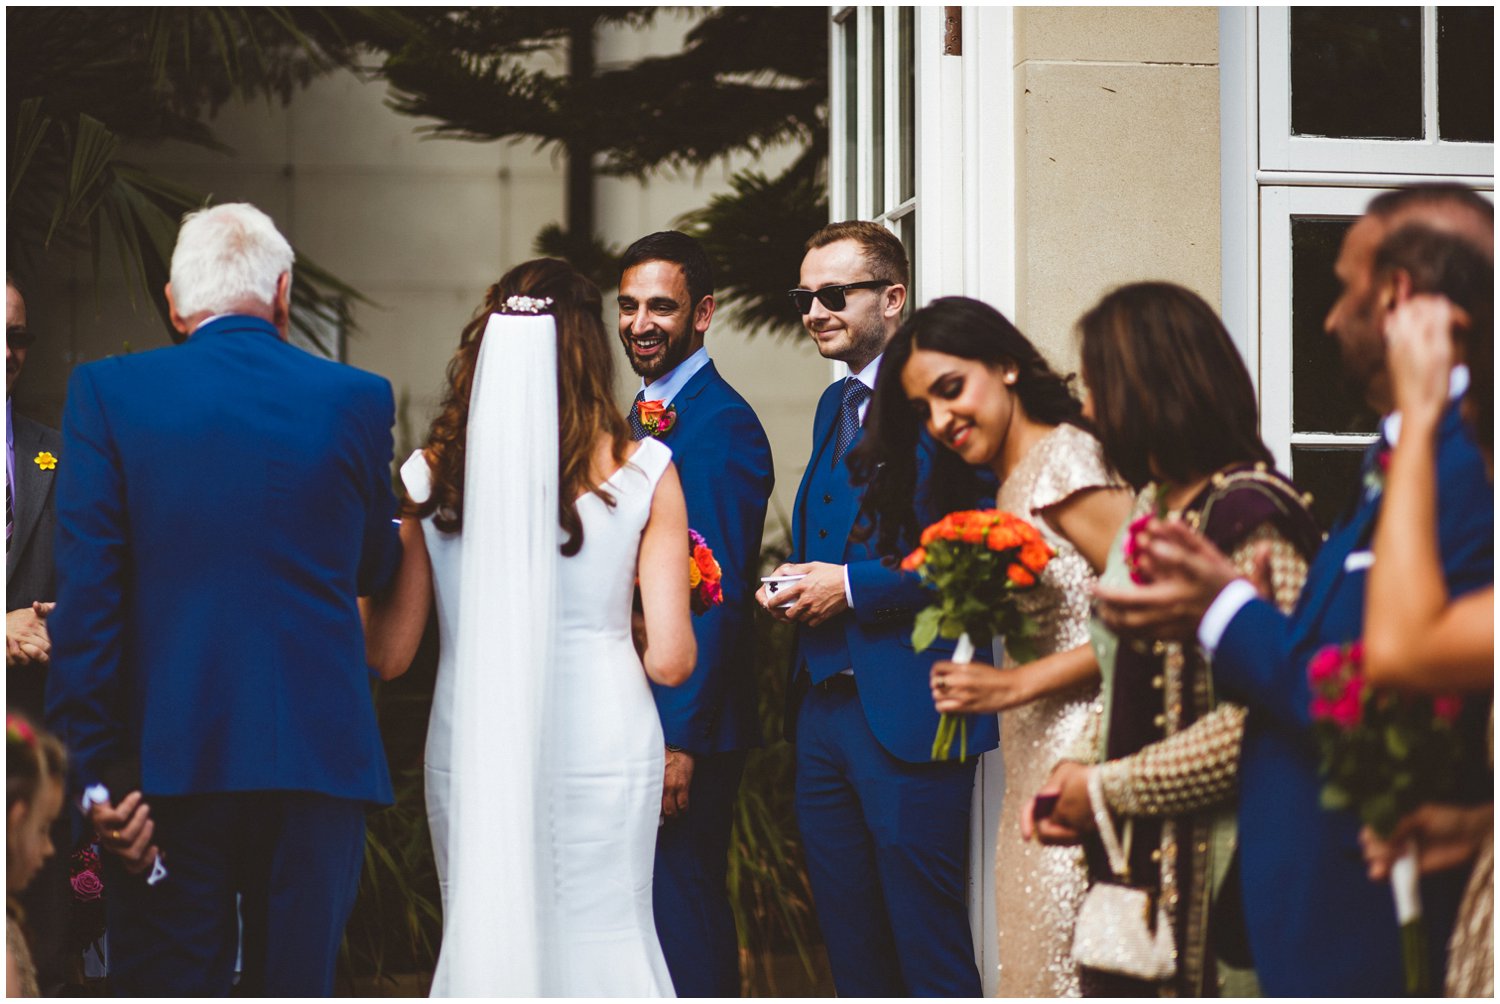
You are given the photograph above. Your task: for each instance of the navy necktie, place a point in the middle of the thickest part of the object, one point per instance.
(855, 394)
(637, 430)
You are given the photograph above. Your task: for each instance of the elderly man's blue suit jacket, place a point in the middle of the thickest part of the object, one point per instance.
(220, 504)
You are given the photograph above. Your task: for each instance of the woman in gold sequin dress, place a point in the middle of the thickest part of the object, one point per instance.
(982, 391)
(1175, 410)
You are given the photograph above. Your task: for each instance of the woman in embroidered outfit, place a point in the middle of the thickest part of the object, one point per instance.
(1175, 410)
(35, 770)
(962, 371)
(1415, 636)
(531, 516)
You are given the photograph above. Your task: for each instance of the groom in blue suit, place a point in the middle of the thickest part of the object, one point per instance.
(1317, 925)
(220, 504)
(724, 460)
(885, 829)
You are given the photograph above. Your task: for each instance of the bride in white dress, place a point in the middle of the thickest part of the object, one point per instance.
(544, 753)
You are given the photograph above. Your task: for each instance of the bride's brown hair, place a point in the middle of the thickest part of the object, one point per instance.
(585, 402)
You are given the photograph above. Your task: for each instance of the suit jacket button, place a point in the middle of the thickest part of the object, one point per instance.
(822, 534)
(827, 499)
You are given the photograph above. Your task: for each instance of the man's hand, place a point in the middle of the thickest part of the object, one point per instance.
(811, 601)
(1071, 817)
(125, 831)
(26, 639)
(1184, 575)
(679, 777)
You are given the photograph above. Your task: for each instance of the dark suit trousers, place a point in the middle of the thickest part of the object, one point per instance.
(688, 890)
(294, 858)
(887, 854)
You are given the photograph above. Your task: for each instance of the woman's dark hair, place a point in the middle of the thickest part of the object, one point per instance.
(886, 456)
(585, 398)
(1445, 263)
(1171, 396)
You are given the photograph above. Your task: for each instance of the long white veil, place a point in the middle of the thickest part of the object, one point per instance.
(501, 872)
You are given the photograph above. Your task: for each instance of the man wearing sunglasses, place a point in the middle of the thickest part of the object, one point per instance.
(885, 829)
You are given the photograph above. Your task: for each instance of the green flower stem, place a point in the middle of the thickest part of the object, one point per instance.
(954, 726)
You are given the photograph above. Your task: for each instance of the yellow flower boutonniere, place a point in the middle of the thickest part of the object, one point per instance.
(46, 461)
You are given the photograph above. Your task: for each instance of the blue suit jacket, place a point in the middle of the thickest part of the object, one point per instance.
(1317, 925)
(724, 461)
(221, 504)
(892, 679)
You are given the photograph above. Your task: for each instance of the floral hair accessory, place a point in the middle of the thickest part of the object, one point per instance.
(527, 304)
(18, 730)
(656, 417)
(45, 461)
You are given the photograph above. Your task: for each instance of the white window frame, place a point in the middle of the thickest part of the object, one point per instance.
(1268, 177)
(1280, 205)
(1281, 150)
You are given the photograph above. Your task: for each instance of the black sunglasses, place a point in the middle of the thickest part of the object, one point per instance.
(18, 337)
(832, 297)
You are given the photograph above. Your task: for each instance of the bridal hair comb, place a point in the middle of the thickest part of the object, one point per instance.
(526, 304)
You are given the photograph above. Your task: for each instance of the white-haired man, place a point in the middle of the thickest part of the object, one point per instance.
(222, 504)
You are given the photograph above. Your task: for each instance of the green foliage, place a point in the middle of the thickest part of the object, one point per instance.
(768, 886)
(85, 82)
(746, 80)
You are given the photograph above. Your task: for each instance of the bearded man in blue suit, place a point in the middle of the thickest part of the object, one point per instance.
(1317, 925)
(724, 460)
(885, 829)
(220, 506)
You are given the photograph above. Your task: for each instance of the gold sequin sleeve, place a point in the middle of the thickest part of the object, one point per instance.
(1198, 767)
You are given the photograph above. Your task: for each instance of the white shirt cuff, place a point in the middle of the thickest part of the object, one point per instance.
(848, 593)
(1231, 599)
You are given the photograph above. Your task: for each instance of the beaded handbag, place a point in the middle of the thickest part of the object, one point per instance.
(1122, 928)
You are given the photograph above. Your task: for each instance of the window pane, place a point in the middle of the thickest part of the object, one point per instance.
(907, 65)
(1331, 475)
(1466, 74)
(877, 108)
(1357, 72)
(851, 207)
(906, 229)
(1323, 398)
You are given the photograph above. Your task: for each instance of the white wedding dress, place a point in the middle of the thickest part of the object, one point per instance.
(545, 770)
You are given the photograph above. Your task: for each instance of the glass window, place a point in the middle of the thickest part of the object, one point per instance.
(850, 29)
(1466, 74)
(877, 109)
(1323, 399)
(1357, 72)
(1331, 475)
(906, 71)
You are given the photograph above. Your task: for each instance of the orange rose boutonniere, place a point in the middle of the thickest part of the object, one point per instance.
(656, 417)
(45, 461)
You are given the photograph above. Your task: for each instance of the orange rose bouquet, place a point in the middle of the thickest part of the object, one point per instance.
(977, 562)
(705, 577)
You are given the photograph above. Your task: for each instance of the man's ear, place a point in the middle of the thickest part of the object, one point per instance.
(895, 299)
(703, 314)
(281, 310)
(177, 319)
